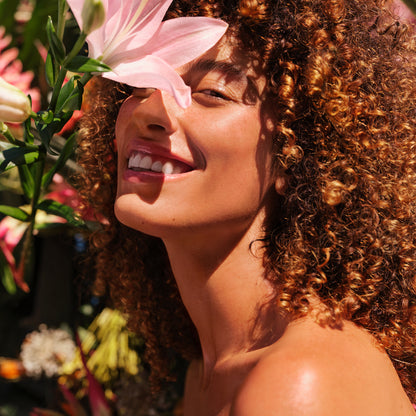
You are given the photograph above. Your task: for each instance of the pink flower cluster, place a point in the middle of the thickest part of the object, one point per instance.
(12, 230)
(11, 70)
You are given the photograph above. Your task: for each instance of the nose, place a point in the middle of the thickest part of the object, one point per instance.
(155, 112)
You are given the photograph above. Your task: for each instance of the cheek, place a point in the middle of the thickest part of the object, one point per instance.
(123, 119)
(238, 141)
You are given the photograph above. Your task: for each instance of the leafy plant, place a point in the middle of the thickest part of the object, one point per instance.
(29, 154)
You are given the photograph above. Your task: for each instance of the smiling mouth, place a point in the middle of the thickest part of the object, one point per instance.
(144, 162)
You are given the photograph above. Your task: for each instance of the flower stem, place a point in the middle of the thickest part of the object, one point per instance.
(62, 73)
(57, 88)
(27, 243)
(85, 78)
(5, 131)
(62, 10)
(77, 47)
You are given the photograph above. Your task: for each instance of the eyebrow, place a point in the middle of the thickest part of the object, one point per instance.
(227, 68)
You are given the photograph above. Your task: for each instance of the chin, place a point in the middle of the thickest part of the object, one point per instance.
(135, 213)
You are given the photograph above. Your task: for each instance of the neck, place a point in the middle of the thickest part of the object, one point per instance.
(222, 282)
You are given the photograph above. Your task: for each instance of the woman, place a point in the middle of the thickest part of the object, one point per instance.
(267, 232)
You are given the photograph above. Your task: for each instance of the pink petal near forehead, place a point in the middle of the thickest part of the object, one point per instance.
(133, 31)
(181, 40)
(153, 72)
(132, 24)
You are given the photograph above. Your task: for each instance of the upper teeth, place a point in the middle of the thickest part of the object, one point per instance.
(145, 162)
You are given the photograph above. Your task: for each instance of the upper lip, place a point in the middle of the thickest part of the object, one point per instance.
(156, 150)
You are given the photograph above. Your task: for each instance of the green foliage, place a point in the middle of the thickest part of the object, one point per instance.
(12, 156)
(7, 11)
(14, 212)
(33, 30)
(55, 208)
(7, 275)
(56, 46)
(84, 64)
(65, 154)
(30, 154)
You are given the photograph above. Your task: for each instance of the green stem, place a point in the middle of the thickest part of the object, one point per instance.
(57, 88)
(5, 131)
(85, 78)
(62, 73)
(62, 10)
(77, 47)
(27, 243)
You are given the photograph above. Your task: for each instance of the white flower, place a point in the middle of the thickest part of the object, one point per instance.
(14, 103)
(45, 351)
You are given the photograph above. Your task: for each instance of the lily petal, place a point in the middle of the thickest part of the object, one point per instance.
(143, 51)
(177, 42)
(76, 8)
(140, 18)
(183, 39)
(128, 27)
(152, 72)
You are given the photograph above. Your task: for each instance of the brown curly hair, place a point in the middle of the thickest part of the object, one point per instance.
(341, 77)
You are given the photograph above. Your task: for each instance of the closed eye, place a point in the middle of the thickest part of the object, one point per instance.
(210, 97)
(214, 93)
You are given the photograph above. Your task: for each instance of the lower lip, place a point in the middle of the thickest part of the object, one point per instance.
(133, 176)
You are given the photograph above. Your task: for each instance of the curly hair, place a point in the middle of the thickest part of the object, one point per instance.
(341, 77)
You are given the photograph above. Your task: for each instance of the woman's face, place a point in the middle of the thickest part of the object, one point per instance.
(208, 165)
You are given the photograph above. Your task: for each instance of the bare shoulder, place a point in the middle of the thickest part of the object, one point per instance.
(322, 371)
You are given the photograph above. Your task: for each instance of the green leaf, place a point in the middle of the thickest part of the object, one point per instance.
(74, 100)
(7, 275)
(28, 136)
(46, 116)
(46, 131)
(55, 208)
(51, 70)
(33, 29)
(60, 163)
(56, 46)
(14, 212)
(85, 64)
(70, 97)
(65, 92)
(27, 182)
(7, 11)
(16, 156)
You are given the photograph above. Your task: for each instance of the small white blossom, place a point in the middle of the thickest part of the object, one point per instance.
(45, 351)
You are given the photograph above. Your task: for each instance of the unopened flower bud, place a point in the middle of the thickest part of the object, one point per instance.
(14, 103)
(93, 15)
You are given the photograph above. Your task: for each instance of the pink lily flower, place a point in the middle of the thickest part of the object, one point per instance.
(143, 51)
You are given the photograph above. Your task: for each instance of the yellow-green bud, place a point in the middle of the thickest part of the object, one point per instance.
(14, 103)
(93, 15)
